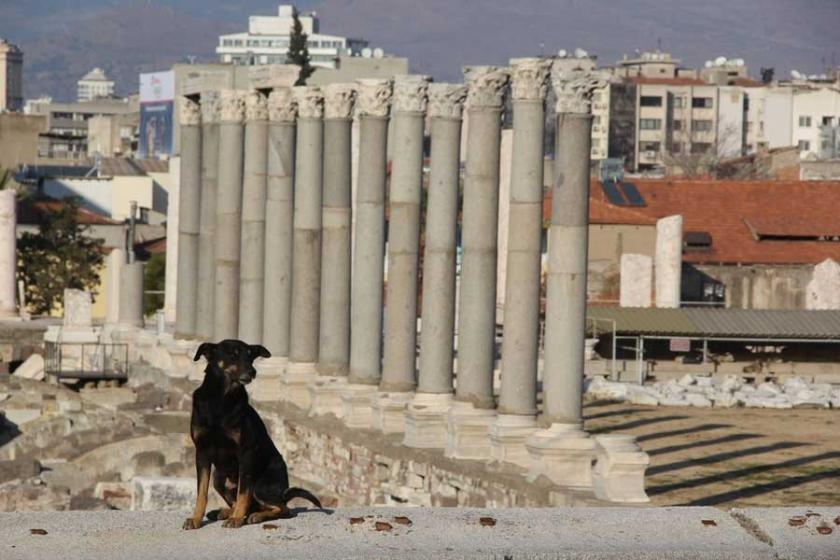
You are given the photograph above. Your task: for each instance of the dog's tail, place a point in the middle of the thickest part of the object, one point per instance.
(292, 493)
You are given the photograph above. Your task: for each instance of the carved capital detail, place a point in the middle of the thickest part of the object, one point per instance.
(574, 88)
(256, 108)
(209, 107)
(338, 101)
(373, 97)
(410, 93)
(189, 112)
(529, 79)
(231, 106)
(446, 100)
(310, 101)
(486, 86)
(281, 105)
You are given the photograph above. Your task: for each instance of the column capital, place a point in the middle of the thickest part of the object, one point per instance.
(189, 112)
(446, 100)
(373, 97)
(231, 106)
(310, 101)
(574, 88)
(281, 105)
(338, 101)
(210, 107)
(486, 86)
(410, 93)
(256, 108)
(529, 79)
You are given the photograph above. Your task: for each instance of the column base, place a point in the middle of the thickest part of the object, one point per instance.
(388, 412)
(325, 395)
(619, 473)
(266, 385)
(467, 431)
(564, 454)
(425, 420)
(356, 403)
(507, 438)
(294, 383)
(181, 359)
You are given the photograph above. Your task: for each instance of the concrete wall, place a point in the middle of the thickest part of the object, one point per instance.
(752, 287)
(111, 196)
(606, 245)
(353, 68)
(19, 138)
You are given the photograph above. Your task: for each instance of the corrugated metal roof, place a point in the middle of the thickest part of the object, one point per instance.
(725, 323)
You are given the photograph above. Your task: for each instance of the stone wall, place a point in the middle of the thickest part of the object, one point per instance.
(362, 467)
(752, 287)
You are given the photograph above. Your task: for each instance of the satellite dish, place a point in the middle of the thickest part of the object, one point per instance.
(349, 52)
(378, 53)
(709, 64)
(366, 52)
(580, 53)
(720, 61)
(739, 62)
(795, 75)
(562, 53)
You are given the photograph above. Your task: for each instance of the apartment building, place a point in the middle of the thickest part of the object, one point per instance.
(93, 85)
(11, 77)
(267, 41)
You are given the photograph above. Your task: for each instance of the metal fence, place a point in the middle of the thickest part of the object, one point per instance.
(86, 360)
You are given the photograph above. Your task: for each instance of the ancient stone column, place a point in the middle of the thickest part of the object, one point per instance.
(636, 280)
(400, 351)
(228, 214)
(334, 330)
(113, 266)
(517, 407)
(564, 452)
(279, 209)
(8, 254)
(205, 288)
(131, 295)
(426, 415)
(189, 203)
(474, 413)
(306, 255)
(668, 272)
(252, 242)
(372, 105)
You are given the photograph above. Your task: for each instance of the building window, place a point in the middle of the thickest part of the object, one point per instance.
(804, 122)
(678, 125)
(650, 124)
(676, 147)
(649, 146)
(650, 101)
(700, 147)
(679, 102)
(701, 102)
(828, 121)
(804, 146)
(701, 125)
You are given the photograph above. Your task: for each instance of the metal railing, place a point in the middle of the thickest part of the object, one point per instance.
(86, 360)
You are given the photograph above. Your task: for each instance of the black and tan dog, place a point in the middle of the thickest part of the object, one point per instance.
(249, 472)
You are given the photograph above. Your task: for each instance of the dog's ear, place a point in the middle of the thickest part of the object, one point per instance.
(258, 351)
(204, 350)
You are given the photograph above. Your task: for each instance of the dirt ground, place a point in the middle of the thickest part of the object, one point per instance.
(731, 457)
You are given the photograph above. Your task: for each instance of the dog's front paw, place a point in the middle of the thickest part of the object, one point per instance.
(233, 522)
(192, 523)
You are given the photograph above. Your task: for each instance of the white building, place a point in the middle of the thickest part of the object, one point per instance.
(267, 41)
(93, 85)
(794, 114)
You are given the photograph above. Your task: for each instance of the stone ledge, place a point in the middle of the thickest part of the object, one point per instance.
(571, 533)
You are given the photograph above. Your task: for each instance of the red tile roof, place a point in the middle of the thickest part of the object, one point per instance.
(738, 215)
(30, 212)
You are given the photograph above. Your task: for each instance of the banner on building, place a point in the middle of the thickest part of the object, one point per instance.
(157, 98)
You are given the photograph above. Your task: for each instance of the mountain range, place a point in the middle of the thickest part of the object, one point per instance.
(63, 40)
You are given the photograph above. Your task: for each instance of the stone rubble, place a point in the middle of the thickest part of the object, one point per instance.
(708, 391)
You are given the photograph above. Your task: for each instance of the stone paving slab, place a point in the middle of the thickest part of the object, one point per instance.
(797, 532)
(565, 533)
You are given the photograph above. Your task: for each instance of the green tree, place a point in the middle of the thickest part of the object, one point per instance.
(154, 279)
(61, 255)
(298, 50)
